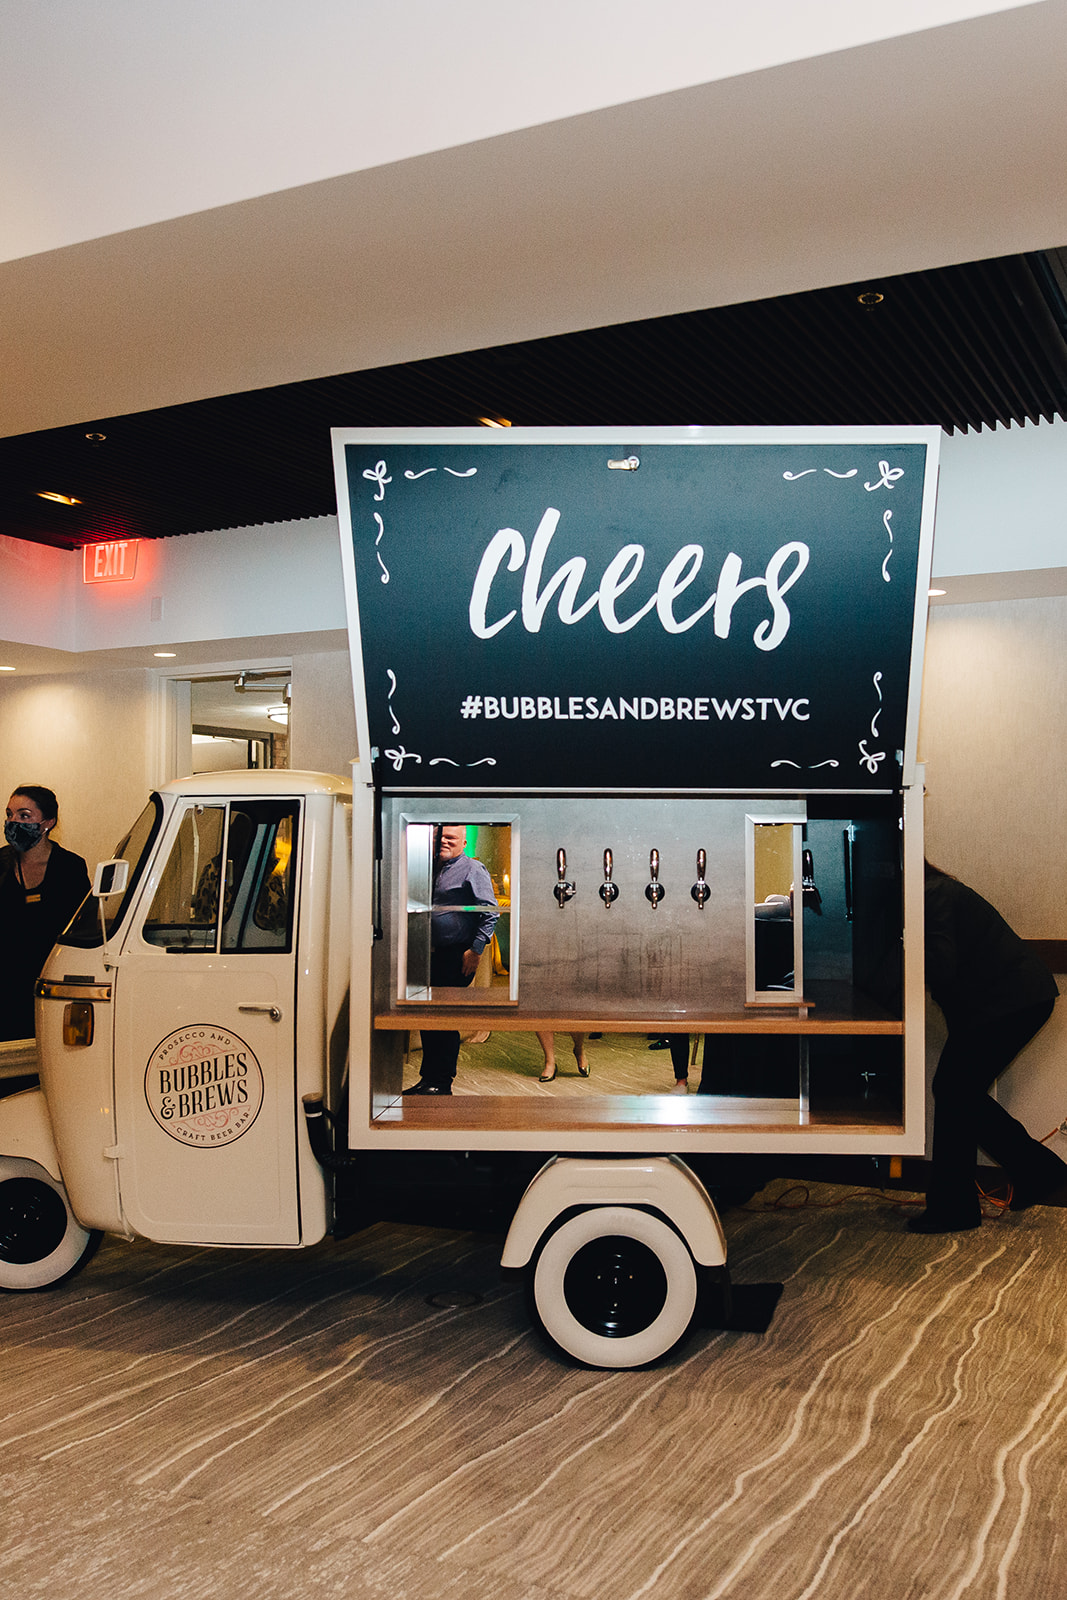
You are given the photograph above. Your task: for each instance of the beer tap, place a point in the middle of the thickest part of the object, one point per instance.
(654, 891)
(701, 890)
(609, 890)
(563, 890)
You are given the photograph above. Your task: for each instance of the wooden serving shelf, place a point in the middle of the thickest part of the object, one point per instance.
(827, 1008)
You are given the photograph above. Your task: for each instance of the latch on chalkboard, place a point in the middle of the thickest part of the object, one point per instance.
(630, 464)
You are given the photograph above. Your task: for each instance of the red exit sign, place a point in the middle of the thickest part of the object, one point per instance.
(115, 562)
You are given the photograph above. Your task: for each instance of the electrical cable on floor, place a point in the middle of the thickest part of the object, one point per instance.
(804, 1202)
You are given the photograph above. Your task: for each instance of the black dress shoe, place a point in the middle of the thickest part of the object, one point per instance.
(422, 1087)
(943, 1222)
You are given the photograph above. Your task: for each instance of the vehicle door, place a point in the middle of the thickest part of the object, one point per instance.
(204, 1030)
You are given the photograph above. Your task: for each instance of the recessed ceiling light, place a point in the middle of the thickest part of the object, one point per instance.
(870, 297)
(494, 422)
(60, 499)
(9, 669)
(165, 655)
(932, 592)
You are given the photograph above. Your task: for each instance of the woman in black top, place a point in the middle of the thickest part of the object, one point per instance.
(995, 995)
(41, 887)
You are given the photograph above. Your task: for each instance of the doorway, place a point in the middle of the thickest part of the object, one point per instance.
(240, 720)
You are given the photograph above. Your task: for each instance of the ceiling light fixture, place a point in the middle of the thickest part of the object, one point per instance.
(870, 297)
(165, 655)
(933, 592)
(9, 669)
(60, 499)
(278, 713)
(494, 422)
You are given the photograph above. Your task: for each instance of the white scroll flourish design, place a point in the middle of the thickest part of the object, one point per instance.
(381, 529)
(813, 766)
(377, 474)
(791, 477)
(446, 761)
(399, 756)
(389, 700)
(887, 517)
(870, 760)
(888, 478)
(411, 476)
(877, 681)
(454, 473)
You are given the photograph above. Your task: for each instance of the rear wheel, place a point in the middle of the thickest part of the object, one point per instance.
(41, 1240)
(614, 1287)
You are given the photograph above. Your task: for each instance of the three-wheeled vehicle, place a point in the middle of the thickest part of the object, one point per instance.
(667, 685)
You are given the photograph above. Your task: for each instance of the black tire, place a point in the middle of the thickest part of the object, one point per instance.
(614, 1286)
(42, 1243)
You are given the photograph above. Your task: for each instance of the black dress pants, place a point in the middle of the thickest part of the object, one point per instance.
(967, 1118)
(440, 1046)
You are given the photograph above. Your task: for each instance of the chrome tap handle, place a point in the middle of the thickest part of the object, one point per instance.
(609, 891)
(563, 890)
(701, 891)
(654, 891)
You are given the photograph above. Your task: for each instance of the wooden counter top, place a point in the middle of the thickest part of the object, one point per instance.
(828, 1008)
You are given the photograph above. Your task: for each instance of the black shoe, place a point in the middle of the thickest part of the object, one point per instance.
(943, 1222)
(422, 1087)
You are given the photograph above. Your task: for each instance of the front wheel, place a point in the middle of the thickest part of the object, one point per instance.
(614, 1287)
(41, 1240)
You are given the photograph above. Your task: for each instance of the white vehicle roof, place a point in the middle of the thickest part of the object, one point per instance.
(260, 784)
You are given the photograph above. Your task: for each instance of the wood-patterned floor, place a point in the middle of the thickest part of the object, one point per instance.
(376, 1418)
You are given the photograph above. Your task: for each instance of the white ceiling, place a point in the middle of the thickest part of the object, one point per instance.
(337, 186)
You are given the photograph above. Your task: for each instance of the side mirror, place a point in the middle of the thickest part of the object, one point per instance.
(110, 878)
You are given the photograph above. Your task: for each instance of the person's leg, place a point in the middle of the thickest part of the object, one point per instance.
(548, 1046)
(578, 1041)
(1033, 1168)
(440, 1052)
(965, 1117)
(679, 1048)
(440, 1046)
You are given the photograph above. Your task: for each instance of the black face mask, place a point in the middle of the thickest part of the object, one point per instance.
(24, 835)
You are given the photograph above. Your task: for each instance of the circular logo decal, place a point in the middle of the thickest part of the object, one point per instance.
(203, 1086)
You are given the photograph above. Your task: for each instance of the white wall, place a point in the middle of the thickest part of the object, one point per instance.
(1002, 505)
(994, 738)
(87, 737)
(282, 577)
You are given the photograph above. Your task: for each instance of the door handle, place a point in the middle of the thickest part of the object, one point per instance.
(263, 1005)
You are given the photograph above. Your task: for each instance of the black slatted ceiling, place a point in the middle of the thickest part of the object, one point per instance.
(965, 347)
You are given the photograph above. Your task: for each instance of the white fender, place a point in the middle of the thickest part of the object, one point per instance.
(26, 1130)
(664, 1183)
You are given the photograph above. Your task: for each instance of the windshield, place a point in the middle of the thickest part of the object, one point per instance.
(85, 931)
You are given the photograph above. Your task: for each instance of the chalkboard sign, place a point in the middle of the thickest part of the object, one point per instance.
(673, 609)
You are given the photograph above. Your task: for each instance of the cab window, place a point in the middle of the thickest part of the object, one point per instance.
(89, 928)
(184, 913)
(228, 882)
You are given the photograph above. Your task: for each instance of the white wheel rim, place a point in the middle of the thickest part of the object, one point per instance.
(69, 1251)
(583, 1343)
